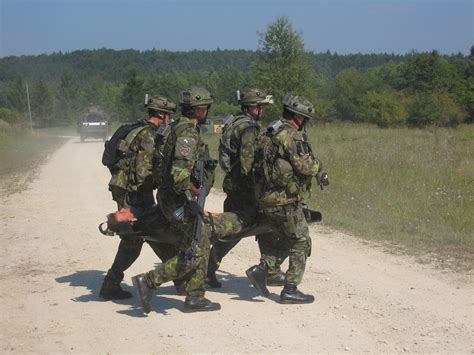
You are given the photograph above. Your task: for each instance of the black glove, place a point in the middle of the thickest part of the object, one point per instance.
(192, 209)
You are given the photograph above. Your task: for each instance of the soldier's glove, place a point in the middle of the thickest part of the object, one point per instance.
(322, 180)
(192, 209)
(325, 179)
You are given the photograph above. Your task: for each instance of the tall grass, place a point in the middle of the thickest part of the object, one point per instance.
(411, 188)
(21, 151)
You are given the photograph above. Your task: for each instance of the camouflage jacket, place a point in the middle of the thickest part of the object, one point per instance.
(182, 149)
(243, 139)
(289, 166)
(134, 173)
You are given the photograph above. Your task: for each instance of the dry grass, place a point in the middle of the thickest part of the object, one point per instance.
(411, 189)
(21, 152)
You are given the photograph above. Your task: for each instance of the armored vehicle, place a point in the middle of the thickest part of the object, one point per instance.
(93, 124)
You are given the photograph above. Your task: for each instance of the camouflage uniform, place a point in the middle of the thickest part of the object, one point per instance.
(284, 179)
(239, 184)
(132, 186)
(283, 204)
(188, 146)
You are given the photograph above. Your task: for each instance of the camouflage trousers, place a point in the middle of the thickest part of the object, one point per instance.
(128, 252)
(240, 211)
(181, 266)
(291, 239)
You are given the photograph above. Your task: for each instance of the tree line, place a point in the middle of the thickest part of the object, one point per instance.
(415, 89)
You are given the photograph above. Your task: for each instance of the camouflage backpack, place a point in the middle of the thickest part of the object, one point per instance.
(226, 151)
(117, 153)
(274, 175)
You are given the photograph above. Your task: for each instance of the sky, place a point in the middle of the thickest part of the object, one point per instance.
(32, 27)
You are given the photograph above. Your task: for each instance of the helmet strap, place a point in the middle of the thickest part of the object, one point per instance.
(256, 116)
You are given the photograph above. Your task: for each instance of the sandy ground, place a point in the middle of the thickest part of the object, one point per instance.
(53, 261)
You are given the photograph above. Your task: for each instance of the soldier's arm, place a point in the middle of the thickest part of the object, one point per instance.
(297, 152)
(144, 159)
(185, 156)
(143, 169)
(247, 149)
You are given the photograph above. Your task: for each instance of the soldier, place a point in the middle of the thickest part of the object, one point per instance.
(131, 186)
(284, 178)
(236, 157)
(177, 188)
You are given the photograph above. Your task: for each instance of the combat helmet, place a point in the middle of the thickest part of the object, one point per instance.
(253, 97)
(299, 105)
(160, 103)
(194, 97)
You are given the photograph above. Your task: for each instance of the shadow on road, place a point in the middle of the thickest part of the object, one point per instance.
(165, 297)
(90, 279)
(236, 285)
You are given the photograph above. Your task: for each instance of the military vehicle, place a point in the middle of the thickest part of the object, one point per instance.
(93, 123)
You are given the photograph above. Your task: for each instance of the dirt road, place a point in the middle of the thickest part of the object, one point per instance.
(53, 261)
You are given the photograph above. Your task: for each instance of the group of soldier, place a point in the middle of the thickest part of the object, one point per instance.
(268, 176)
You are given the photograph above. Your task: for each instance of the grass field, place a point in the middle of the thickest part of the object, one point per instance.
(22, 151)
(411, 189)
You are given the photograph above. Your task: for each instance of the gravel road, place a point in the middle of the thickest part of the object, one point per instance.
(53, 262)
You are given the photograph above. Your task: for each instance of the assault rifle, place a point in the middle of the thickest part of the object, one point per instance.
(201, 200)
(203, 163)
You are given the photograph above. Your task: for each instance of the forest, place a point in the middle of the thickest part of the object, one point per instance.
(416, 89)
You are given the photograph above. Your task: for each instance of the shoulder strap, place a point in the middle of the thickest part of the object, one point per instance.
(134, 133)
(232, 123)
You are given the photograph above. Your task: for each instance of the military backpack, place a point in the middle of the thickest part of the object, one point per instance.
(116, 147)
(275, 179)
(227, 151)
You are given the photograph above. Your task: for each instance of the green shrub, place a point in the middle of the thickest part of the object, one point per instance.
(223, 109)
(11, 116)
(435, 108)
(383, 108)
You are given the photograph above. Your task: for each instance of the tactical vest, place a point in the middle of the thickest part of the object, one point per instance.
(228, 152)
(121, 172)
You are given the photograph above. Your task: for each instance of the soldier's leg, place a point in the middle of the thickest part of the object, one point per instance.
(128, 251)
(258, 274)
(166, 252)
(217, 253)
(226, 224)
(297, 235)
(164, 272)
(181, 266)
(273, 254)
(220, 249)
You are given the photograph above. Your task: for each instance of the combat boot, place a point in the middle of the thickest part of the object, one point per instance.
(276, 280)
(291, 295)
(200, 305)
(144, 292)
(211, 280)
(111, 289)
(180, 287)
(258, 277)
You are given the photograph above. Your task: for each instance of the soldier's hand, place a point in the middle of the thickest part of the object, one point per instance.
(212, 214)
(124, 215)
(195, 190)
